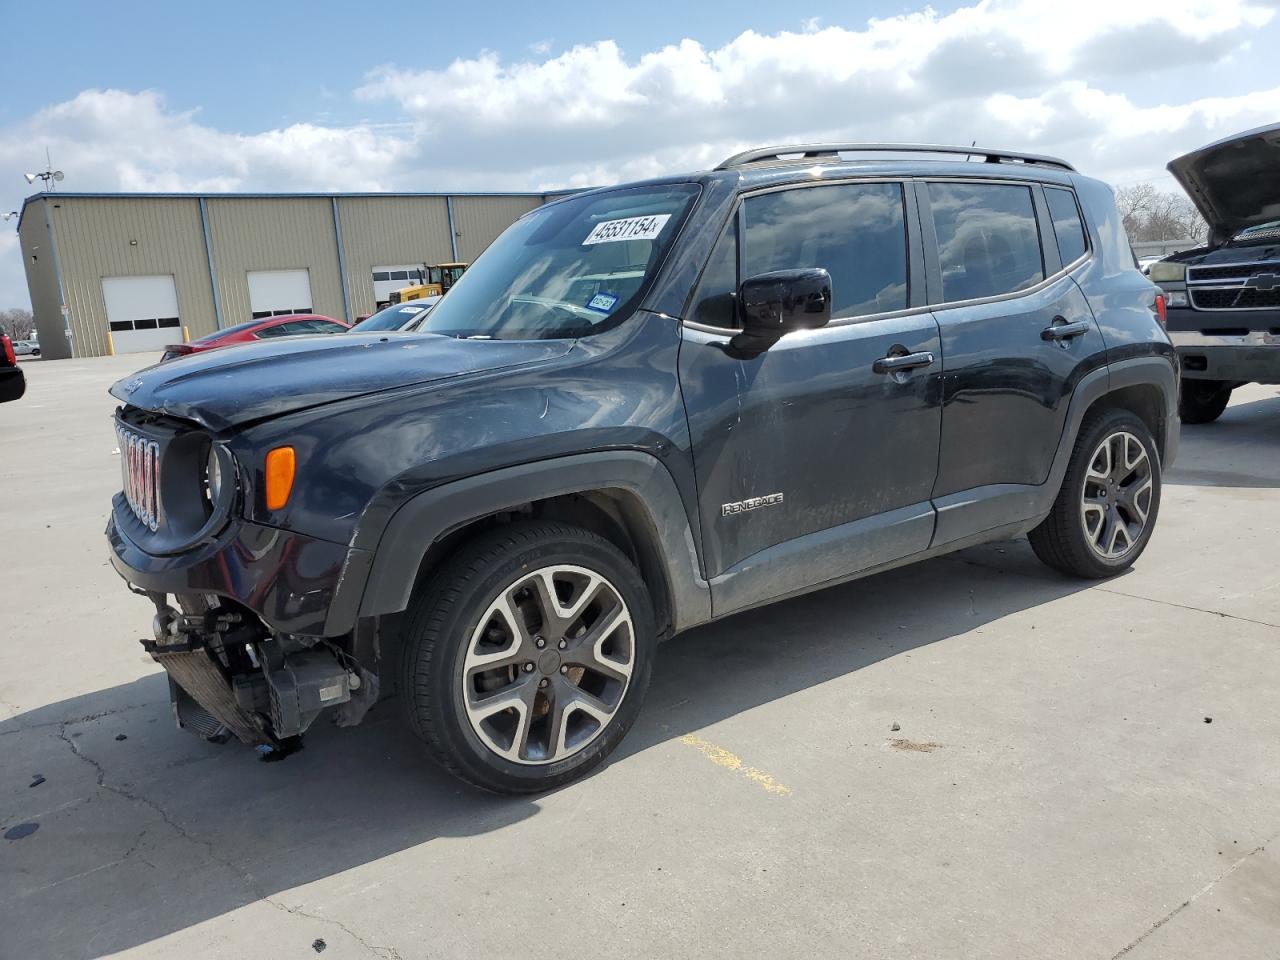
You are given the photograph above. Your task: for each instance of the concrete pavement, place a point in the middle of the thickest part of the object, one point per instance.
(1053, 788)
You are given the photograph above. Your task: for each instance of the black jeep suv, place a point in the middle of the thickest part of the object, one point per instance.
(1224, 298)
(643, 408)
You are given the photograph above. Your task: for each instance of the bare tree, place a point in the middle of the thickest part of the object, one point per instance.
(19, 324)
(1152, 214)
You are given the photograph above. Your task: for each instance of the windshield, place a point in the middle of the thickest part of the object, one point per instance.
(1263, 231)
(567, 270)
(393, 317)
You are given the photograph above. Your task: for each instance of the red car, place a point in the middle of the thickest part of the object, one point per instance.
(290, 325)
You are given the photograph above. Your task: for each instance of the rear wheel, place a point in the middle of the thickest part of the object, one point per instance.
(526, 660)
(1202, 401)
(1103, 516)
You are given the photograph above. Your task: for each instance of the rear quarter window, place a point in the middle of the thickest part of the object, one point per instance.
(1067, 225)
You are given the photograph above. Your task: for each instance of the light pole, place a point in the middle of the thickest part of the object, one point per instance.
(50, 178)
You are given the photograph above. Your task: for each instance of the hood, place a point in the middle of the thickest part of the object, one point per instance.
(1235, 182)
(236, 385)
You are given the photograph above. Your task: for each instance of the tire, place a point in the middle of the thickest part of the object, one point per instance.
(1076, 537)
(462, 654)
(1202, 401)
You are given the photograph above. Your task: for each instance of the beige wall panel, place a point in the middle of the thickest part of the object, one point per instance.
(479, 220)
(273, 233)
(389, 231)
(42, 283)
(94, 237)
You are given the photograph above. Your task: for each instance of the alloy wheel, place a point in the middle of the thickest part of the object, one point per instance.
(1116, 499)
(548, 665)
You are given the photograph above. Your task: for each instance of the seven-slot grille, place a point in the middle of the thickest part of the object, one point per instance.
(1235, 286)
(140, 463)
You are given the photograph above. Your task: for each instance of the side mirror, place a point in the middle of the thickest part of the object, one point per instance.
(774, 304)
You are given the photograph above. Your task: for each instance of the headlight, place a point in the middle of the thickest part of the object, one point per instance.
(1176, 298)
(214, 474)
(217, 473)
(1165, 272)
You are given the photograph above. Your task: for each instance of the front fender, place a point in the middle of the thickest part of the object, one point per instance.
(429, 516)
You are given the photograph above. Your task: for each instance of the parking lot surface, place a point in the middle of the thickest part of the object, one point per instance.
(971, 757)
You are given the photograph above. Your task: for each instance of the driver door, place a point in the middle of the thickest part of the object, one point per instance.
(811, 464)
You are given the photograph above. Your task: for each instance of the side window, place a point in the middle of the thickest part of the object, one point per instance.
(1066, 224)
(988, 243)
(856, 232)
(715, 302)
(324, 326)
(279, 330)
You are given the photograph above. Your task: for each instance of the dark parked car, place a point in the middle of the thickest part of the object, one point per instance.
(13, 382)
(1224, 297)
(643, 408)
(398, 316)
(266, 328)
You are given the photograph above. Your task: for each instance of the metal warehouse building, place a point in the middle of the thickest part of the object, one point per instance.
(144, 266)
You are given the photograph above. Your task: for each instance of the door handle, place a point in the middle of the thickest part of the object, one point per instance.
(1061, 330)
(906, 361)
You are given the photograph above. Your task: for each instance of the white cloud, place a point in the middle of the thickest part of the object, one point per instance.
(1059, 78)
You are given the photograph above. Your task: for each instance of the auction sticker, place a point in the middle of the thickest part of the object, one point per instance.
(629, 228)
(603, 302)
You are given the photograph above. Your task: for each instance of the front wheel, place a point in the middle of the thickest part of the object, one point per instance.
(1202, 401)
(1103, 516)
(526, 661)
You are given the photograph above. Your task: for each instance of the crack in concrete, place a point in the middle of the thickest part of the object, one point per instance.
(1194, 897)
(20, 727)
(244, 876)
(970, 562)
(1184, 606)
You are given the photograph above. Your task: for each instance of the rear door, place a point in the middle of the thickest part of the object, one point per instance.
(812, 464)
(1017, 334)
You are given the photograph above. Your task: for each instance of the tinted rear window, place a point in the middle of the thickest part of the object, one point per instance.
(228, 331)
(988, 243)
(1066, 224)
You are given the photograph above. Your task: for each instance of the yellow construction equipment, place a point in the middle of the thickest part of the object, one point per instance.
(438, 279)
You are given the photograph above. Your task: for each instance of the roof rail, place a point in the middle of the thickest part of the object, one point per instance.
(831, 151)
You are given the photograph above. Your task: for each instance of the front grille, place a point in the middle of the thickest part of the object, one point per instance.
(1235, 298)
(140, 465)
(1235, 286)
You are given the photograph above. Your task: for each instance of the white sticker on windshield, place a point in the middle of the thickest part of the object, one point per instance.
(630, 228)
(602, 302)
(412, 309)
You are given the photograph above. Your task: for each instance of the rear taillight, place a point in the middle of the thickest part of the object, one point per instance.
(1162, 311)
(10, 357)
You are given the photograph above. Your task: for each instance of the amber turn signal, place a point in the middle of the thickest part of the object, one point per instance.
(281, 463)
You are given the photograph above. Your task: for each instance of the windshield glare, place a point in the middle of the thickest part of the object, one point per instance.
(570, 269)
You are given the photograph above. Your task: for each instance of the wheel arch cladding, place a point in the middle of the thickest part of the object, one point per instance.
(626, 496)
(1147, 402)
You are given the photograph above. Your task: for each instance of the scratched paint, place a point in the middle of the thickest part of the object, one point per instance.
(731, 761)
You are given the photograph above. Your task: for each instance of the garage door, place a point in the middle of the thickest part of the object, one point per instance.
(142, 312)
(273, 293)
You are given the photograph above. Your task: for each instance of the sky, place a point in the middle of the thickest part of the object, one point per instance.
(322, 96)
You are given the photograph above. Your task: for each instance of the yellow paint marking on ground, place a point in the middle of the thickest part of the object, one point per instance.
(731, 761)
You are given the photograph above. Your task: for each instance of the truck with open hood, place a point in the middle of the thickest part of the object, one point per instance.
(1224, 297)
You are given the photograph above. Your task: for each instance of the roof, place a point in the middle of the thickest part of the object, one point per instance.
(542, 195)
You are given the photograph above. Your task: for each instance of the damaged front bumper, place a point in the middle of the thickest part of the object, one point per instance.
(254, 647)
